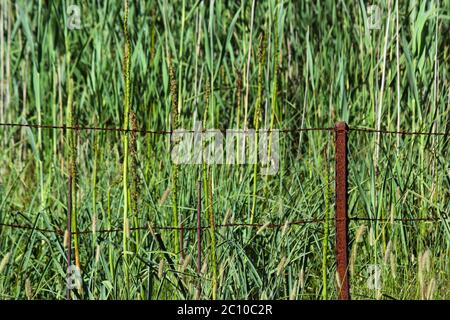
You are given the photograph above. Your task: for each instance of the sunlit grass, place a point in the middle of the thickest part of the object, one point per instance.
(247, 64)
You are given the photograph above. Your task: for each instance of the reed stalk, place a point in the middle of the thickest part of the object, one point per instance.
(135, 183)
(213, 237)
(174, 178)
(257, 119)
(72, 140)
(126, 103)
(326, 226)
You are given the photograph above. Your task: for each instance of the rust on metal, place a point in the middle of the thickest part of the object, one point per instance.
(341, 130)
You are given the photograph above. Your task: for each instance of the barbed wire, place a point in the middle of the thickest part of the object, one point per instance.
(227, 225)
(154, 132)
(398, 219)
(32, 228)
(370, 130)
(169, 132)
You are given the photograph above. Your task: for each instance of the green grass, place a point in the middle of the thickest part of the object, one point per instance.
(246, 64)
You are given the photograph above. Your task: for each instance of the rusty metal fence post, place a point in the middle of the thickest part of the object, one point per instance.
(341, 130)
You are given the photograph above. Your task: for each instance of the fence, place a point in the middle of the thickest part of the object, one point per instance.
(342, 218)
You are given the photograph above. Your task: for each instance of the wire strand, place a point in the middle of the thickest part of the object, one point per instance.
(370, 130)
(161, 132)
(169, 132)
(228, 225)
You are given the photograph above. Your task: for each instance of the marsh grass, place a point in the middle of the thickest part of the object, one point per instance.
(126, 112)
(161, 65)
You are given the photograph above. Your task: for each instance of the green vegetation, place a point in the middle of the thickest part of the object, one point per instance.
(271, 64)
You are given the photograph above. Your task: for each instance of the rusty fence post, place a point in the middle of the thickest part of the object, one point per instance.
(341, 130)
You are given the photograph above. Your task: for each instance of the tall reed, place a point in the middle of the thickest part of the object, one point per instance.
(207, 185)
(73, 170)
(72, 140)
(126, 104)
(257, 118)
(213, 237)
(274, 98)
(174, 178)
(326, 227)
(134, 197)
